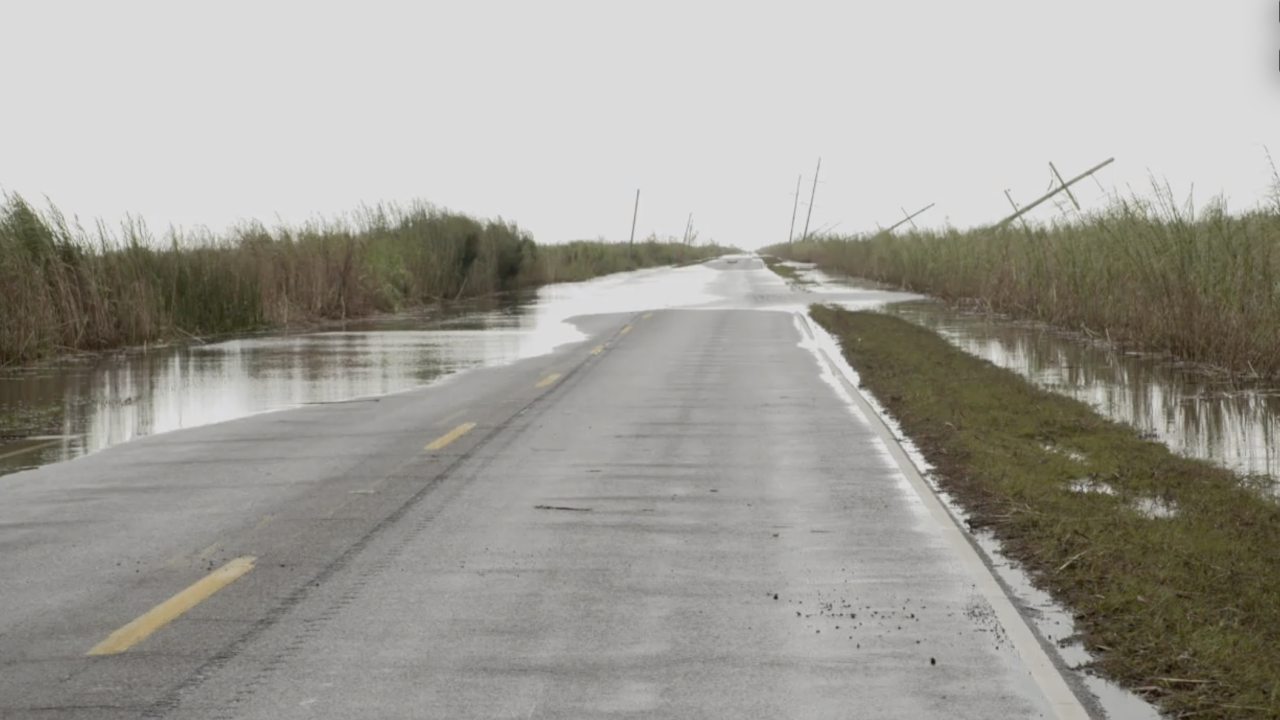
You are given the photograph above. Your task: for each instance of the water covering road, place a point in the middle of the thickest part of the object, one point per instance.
(662, 504)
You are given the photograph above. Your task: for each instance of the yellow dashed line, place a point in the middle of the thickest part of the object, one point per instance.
(548, 380)
(450, 436)
(169, 610)
(597, 350)
(647, 316)
(625, 329)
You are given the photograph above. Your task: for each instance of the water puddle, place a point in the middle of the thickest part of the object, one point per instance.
(1089, 485)
(59, 411)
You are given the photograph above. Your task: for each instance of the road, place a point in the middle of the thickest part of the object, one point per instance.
(677, 517)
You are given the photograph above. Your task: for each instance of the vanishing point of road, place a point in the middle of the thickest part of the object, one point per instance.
(683, 516)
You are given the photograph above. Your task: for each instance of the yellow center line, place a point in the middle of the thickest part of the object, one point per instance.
(597, 350)
(450, 436)
(169, 610)
(548, 380)
(625, 329)
(647, 316)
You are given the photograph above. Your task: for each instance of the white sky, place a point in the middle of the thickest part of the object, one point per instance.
(553, 113)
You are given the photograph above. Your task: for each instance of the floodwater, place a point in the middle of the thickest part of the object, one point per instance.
(1230, 424)
(1197, 416)
(63, 410)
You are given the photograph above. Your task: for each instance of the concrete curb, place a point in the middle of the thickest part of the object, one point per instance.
(1065, 704)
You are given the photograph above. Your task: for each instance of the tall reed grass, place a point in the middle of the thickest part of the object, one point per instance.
(1150, 273)
(65, 288)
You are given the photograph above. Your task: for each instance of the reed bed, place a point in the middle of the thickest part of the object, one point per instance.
(67, 288)
(1152, 274)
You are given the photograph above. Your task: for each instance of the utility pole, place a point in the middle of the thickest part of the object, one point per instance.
(688, 225)
(791, 233)
(909, 219)
(634, 214)
(811, 196)
(1055, 191)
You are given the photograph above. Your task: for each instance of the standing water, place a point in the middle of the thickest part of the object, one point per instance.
(1227, 423)
(62, 410)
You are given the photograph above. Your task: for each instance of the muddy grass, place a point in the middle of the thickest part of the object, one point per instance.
(787, 272)
(1171, 565)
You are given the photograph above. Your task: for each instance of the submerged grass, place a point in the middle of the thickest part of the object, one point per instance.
(784, 271)
(1203, 287)
(1183, 609)
(67, 289)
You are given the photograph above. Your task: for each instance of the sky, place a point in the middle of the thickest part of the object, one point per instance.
(552, 114)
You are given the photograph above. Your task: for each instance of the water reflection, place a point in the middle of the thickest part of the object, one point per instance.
(65, 410)
(1230, 424)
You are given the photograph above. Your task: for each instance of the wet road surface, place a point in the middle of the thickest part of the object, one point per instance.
(671, 513)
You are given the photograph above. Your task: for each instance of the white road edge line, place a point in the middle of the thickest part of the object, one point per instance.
(1065, 704)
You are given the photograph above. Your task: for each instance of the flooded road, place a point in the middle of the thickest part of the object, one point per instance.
(1230, 424)
(63, 410)
(654, 433)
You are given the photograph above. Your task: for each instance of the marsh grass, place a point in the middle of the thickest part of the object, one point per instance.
(1152, 274)
(1183, 609)
(66, 288)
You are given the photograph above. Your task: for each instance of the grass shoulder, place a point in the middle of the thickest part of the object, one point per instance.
(1181, 605)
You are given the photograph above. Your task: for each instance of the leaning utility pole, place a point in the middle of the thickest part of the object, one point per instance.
(794, 206)
(634, 214)
(909, 219)
(811, 196)
(1055, 191)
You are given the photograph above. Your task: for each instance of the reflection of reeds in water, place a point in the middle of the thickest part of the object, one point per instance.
(1198, 416)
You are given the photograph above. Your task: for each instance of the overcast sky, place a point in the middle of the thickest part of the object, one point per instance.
(551, 114)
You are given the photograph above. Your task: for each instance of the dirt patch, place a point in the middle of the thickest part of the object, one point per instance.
(1183, 609)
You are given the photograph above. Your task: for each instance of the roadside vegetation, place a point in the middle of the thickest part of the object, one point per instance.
(1171, 565)
(1148, 274)
(66, 288)
(786, 272)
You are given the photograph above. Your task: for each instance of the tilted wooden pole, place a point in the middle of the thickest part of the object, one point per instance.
(812, 193)
(1055, 191)
(795, 206)
(908, 219)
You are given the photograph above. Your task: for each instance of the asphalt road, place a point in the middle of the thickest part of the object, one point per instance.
(676, 518)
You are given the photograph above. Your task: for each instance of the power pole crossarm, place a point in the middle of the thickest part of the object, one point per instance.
(1064, 186)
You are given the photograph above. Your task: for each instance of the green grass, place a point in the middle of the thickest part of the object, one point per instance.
(1184, 609)
(68, 289)
(1148, 274)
